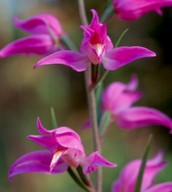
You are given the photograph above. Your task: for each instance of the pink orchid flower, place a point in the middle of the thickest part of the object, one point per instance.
(134, 9)
(45, 31)
(63, 149)
(96, 47)
(118, 98)
(128, 176)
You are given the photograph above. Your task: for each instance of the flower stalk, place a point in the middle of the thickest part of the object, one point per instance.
(91, 103)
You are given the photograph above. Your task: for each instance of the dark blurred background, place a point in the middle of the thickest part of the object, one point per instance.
(26, 94)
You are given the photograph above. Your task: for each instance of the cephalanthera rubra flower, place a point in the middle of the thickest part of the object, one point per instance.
(45, 31)
(118, 99)
(63, 149)
(134, 9)
(128, 176)
(97, 48)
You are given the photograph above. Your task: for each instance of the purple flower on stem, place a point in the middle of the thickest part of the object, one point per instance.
(96, 47)
(118, 98)
(45, 32)
(134, 9)
(63, 149)
(128, 176)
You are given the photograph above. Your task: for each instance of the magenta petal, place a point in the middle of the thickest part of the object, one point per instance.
(121, 56)
(133, 9)
(72, 59)
(47, 141)
(40, 24)
(119, 96)
(128, 175)
(38, 161)
(94, 161)
(163, 187)
(41, 128)
(133, 84)
(143, 116)
(36, 44)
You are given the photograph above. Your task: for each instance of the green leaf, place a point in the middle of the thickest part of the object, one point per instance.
(77, 180)
(143, 165)
(105, 119)
(53, 118)
(121, 37)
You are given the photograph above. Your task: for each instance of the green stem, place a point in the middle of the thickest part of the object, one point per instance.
(142, 167)
(109, 2)
(82, 12)
(100, 80)
(93, 118)
(91, 103)
(68, 43)
(77, 180)
(121, 36)
(85, 179)
(108, 13)
(53, 117)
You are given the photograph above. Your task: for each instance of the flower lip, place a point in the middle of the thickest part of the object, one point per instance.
(56, 157)
(99, 49)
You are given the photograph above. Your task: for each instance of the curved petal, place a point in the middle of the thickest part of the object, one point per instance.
(36, 162)
(116, 186)
(40, 24)
(121, 56)
(164, 187)
(72, 59)
(133, 83)
(41, 129)
(131, 10)
(36, 44)
(95, 160)
(143, 116)
(47, 141)
(119, 96)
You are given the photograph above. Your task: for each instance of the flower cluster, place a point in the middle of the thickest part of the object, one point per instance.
(118, 98)
(45, 32)
(63, 149)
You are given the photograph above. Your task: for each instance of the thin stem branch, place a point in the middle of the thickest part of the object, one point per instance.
(108, 13)
(93, 118)
(101, 78)
(85, 179)
(82, 12)
(77, 180)
(68, 43)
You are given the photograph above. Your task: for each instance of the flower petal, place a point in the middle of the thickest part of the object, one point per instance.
(41, 128)
(128, 175)
(119, 96)
(72, 59)
(164, 187)
(143, 116)
(40, 24)
(131, 10)
(133, 84)
(95, 160)
(36, 44)
(36, 162)
(121, 56)
(47, 141)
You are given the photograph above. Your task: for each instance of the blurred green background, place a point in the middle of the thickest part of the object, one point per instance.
(26, 94)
